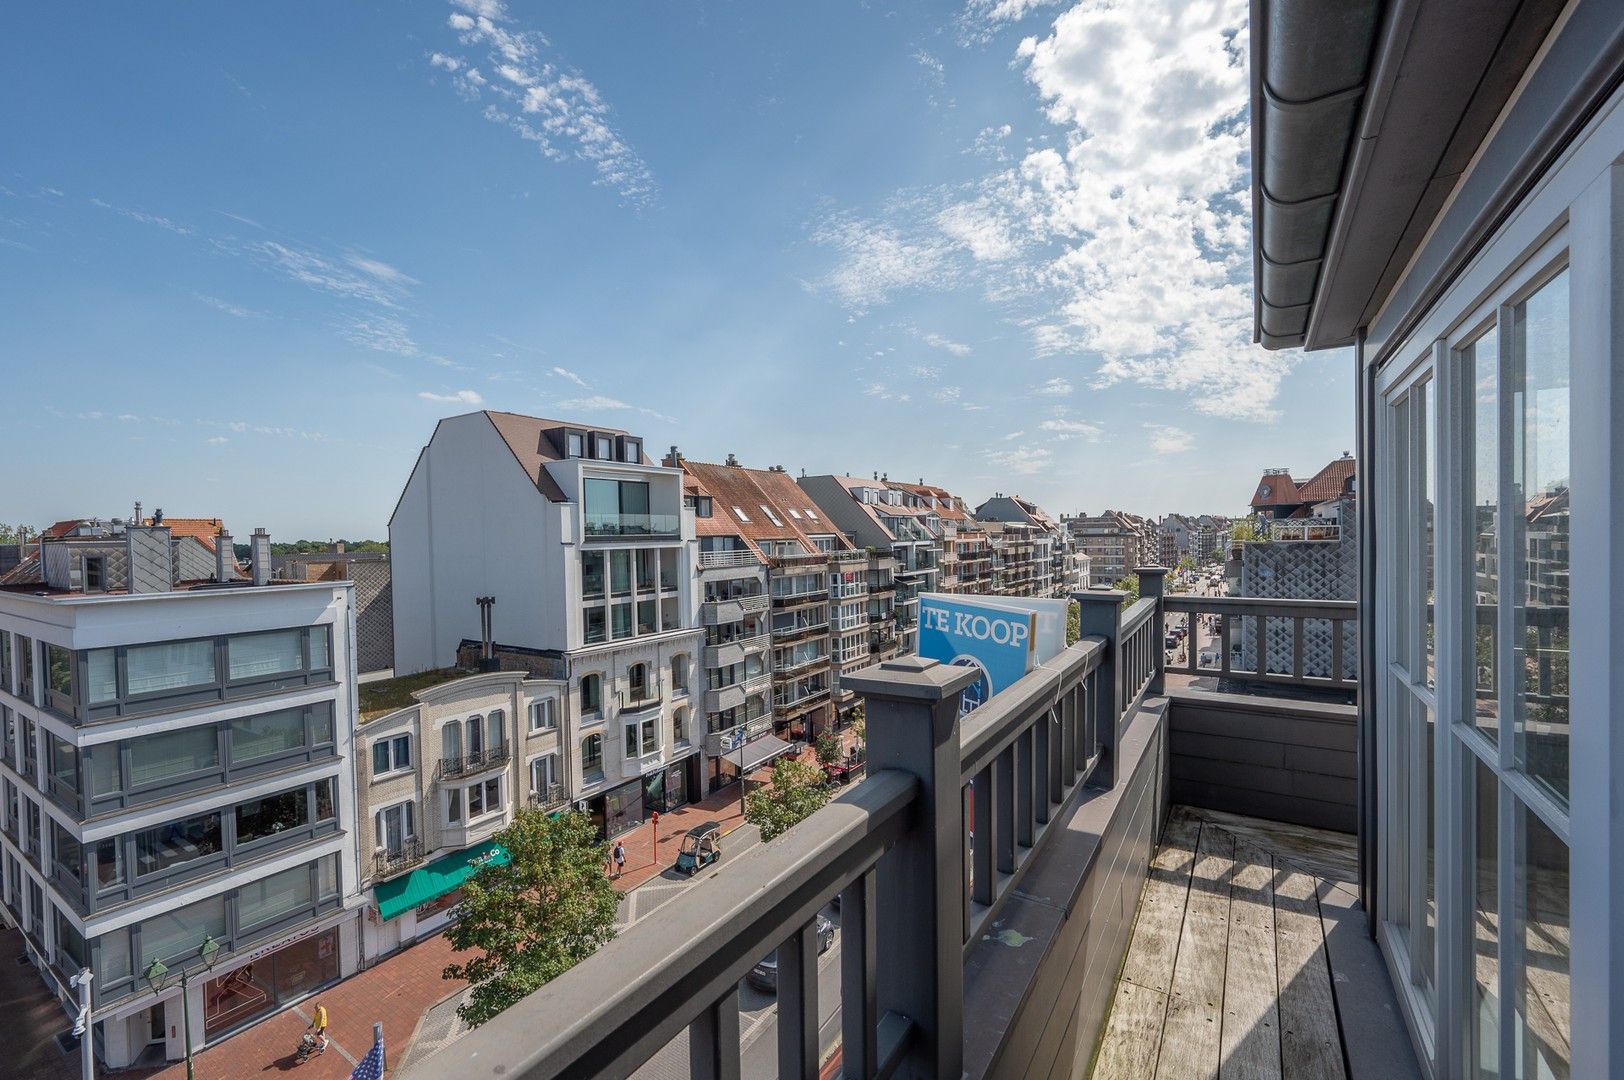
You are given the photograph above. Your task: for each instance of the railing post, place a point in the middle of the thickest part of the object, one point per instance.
(912, 710)
(1100, 615)
(1153, 586)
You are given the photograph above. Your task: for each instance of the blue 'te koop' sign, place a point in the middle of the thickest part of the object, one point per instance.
(996, 641)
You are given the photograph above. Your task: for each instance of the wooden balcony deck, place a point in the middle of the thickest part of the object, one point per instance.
(1249, 959)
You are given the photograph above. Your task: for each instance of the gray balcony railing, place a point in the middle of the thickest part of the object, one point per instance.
(1304, 643)
(721, 559)
(917, 887)
(556, 796)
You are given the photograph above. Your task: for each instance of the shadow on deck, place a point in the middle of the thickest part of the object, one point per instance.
(1250, 957)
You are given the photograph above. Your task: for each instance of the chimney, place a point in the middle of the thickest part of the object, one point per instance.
(733, 460)
(259, 557)
(225, 557)
(151, 570)
(138, 520)
(674, 458)
(487, 651)
(876, 474)
(338, 547)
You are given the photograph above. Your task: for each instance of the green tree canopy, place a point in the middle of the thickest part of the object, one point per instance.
(1129, 585)
(798, 790)
(536, 917)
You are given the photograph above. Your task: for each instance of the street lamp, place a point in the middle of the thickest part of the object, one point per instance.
(157, 976)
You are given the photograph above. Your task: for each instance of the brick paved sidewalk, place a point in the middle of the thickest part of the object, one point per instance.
(398, 992)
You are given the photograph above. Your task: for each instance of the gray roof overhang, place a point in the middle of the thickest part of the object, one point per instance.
(1365, 115)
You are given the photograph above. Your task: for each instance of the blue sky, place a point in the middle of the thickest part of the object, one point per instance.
(249, 254)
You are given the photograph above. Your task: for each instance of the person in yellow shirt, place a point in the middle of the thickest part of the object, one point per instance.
(318, 1025)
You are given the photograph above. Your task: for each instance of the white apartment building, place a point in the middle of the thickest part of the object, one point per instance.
(589, 554)
(437, 780)
(176, 782)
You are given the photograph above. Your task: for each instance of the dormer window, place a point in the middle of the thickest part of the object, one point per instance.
(574, 444)
(603, 447)
(631, 450)
(95, 573)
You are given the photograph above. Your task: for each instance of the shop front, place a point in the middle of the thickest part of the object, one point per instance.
(413, 906)
(677, 784)
(270, 979)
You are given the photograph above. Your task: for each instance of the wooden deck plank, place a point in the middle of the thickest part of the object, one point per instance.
(1191, 1037)
(1133, 1034)
(1149, 963)
(1310, 1043)
(1324, 854)
(1251, 1033)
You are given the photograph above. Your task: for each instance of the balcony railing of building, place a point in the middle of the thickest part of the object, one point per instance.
(618, 526)
(718, 560)
(448, 768)
(1301, 529)
(789, 667)
(1301, 643)
(386, 862)
(555, 797)
(799, 627)
(989, 868)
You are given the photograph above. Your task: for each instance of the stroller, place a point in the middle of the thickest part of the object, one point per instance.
(309, 1046)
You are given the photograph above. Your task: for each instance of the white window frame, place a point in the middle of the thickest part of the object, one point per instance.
(543, 716)
(392, 742)
(407, 808)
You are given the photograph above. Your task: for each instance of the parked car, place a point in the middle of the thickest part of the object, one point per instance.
(764, 976)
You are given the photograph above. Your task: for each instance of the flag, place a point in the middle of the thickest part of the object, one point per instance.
(371, 1066)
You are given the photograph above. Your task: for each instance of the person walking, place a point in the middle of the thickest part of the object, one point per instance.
(619, 856)
(318, 1025)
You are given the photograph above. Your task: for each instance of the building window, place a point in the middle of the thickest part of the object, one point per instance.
(592, 754)
(395, 827)
(591, 693)
(631, 450)
(702, 506)
(95, 573)
(679, 727)
(741, 515)
(543, 717)
(391, 755)
(651, 737)
(251, 656)
(260, 818)
(592, 575)
(679, 672)
(603, 447)
(177, 843)
(543, 774)
(574, 445)
(173, 665)
(772, 517)
(637, 679)
(484, 798)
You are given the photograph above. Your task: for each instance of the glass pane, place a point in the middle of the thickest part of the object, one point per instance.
(1484, 1009)
(1400, 504)
(260, 736)
(1480, 364)
(321, 722)
(620, 571)
(1426, 919)
(155, 759)
(325, 808)
(253, 655)
(275, 897)
(592, 573)
(177, 936)
(1426, 520)
(101, 676)
(176, 843)
(112, 957)
(1398, 816)
(1540, 400)
(318, 647)
(59, 669)
(1543, 991)
(621, 618)
(171, 666)
(103, 768)
(261, 818)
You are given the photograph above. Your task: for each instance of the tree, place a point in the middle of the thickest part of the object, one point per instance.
(1249, 530)
(828, 747)
(1074, 622)
(1129, 585)
(798, 789)
(859, 724)
(535, 917)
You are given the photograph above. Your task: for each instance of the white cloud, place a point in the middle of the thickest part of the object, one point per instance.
(605, 403)
(875, 261)
(1020, 460)
(218, 440)
(380, 270)
(947, 395)
(938, 341)
(541, 100)
(143, 217)
(235, 310)
(328, 275)
(1125, 245)
(925, 371)
(981, 20)
(1056, 387)
(989, 142)
(457, 397)
(383, 333)
(1013, 435)
(564, 373)
(1072, 429)
(1166, 439)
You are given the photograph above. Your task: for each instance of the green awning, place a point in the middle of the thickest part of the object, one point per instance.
(434, 879)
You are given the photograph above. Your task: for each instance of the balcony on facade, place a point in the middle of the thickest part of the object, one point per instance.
(475, 761)
(1033, 822)
(389, 861)
(733, 650)
(721, 560)
(720, 699)
(799, 624)
(732, 609)
(632, 526)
